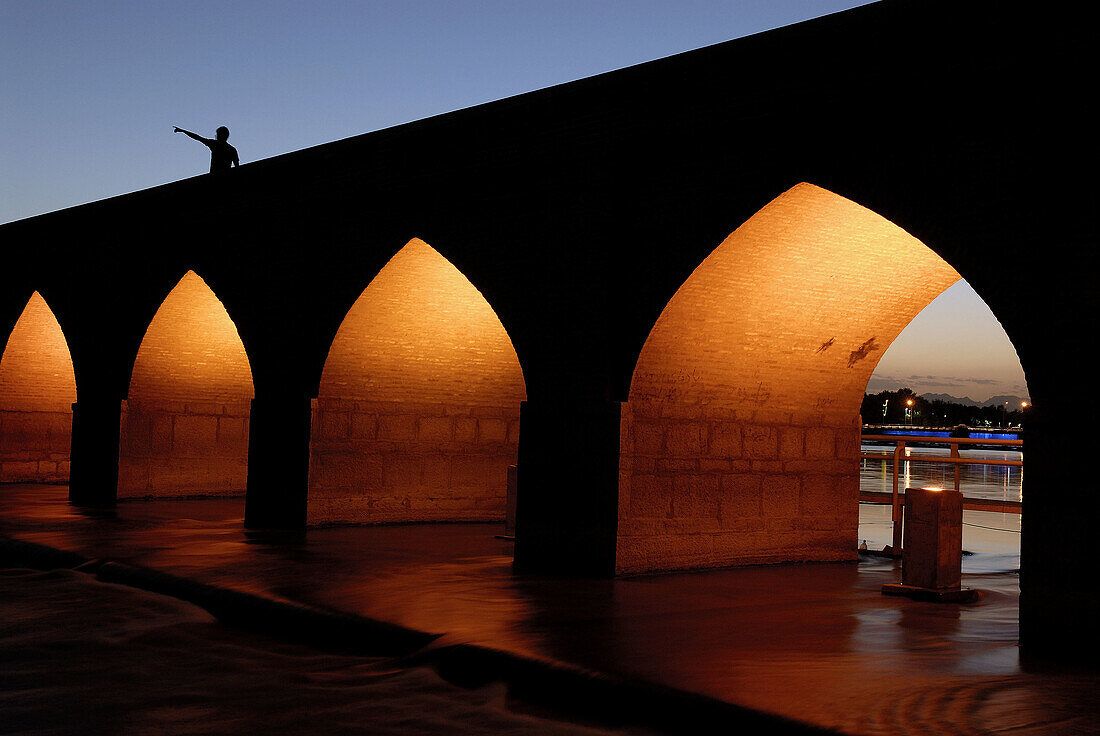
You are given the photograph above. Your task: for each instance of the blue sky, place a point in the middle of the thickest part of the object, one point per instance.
(91, 90)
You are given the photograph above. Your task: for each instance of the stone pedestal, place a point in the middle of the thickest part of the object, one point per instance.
(932, 547)
(931, 561)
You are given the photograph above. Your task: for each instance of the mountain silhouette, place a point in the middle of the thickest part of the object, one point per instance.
(999, 400)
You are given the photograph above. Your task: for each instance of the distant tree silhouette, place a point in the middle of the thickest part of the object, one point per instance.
(933, 413)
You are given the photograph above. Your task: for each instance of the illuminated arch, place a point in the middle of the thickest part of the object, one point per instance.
(417, 416)
(741, 434)
(37, 390)
(185, 424)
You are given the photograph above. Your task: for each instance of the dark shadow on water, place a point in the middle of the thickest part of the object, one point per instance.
(275, 538)
(95, 513)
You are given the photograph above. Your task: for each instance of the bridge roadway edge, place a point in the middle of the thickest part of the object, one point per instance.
(570, 691)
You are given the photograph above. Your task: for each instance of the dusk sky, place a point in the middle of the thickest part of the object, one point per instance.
(955, 346)
(91, 91)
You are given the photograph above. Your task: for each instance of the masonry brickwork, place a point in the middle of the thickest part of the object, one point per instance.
(184, 428)
(409, 461)
(34, 446)
(723, 487)
(173, 448)
(418, 415)
(740, 440)
(37, 389)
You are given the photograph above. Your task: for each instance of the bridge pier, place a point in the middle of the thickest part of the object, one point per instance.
(93, 454)
(567, 495)
(1059, 599)
(278, 461)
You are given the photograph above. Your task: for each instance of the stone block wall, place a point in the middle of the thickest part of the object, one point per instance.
(740, 443)
(34, 446)
(418, 411)
(191, 352)
(717, 487)
(396, 461)
(185, 426)
(37, 390)
(175, 448)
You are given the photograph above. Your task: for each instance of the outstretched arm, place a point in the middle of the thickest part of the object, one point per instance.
(189, 134)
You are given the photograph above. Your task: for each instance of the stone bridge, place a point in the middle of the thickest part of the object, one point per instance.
(661, 290)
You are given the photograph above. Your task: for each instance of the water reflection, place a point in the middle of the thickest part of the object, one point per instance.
(992, 540)
(1001, 482)
(857, 660)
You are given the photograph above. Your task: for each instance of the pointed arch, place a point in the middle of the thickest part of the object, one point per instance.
(417, 416)
(742, 427)
(185, 421)
(37, 391)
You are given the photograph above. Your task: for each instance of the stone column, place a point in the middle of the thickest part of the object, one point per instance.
(1059, 600)
(278, 462)
(567, 496)
(93, 453)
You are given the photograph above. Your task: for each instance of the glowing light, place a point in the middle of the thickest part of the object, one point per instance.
(757, 364)
(37, 389)
(36, 370)
(422, 332)
(185, 423)
(191, 351)
(802, 299)
(417, 416)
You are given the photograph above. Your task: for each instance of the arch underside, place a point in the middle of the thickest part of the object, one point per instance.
(37, 390)
(185, 420)
(417, 416)
(740, 439)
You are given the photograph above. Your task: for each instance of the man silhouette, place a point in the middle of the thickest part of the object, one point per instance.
(222, 155)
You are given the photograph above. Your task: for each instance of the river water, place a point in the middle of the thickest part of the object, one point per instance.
(815, 642)
(993, 538)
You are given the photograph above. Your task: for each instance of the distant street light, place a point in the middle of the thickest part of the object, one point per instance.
(909, 411)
